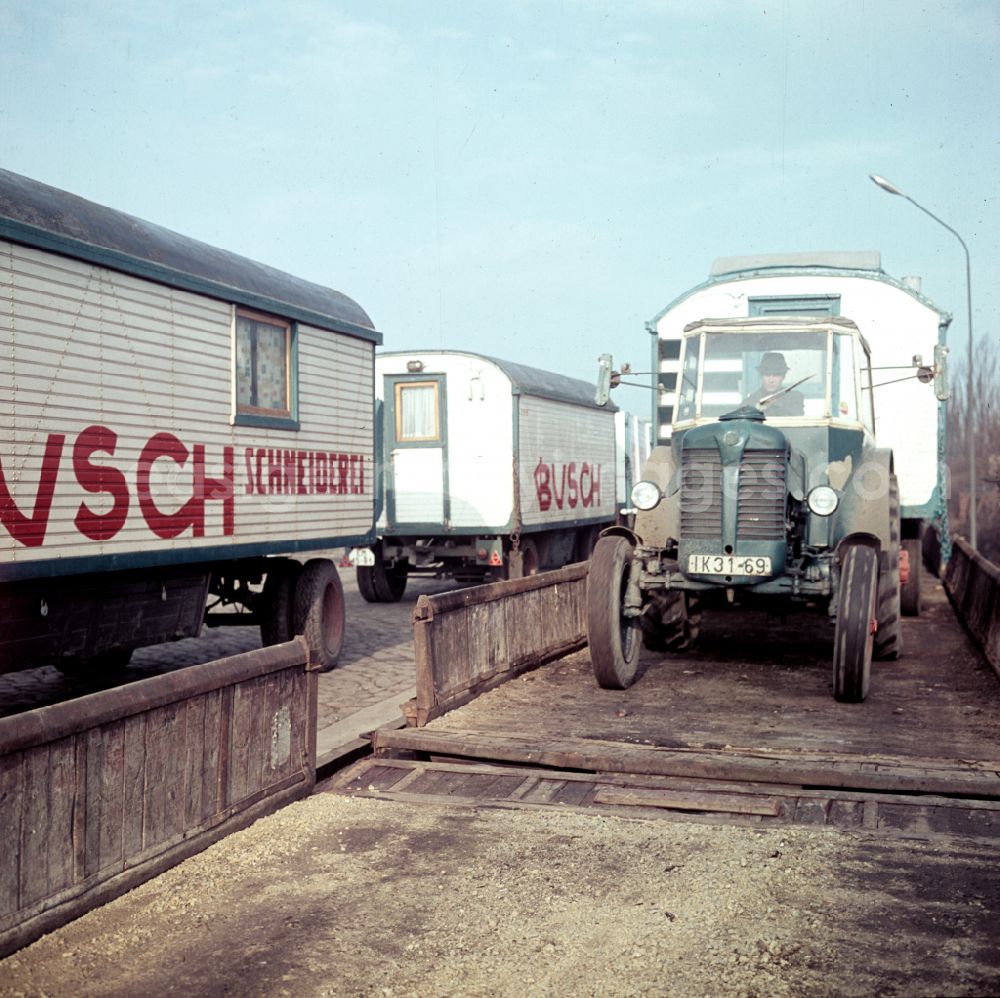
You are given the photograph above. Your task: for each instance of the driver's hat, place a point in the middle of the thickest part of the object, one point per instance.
(773, 363)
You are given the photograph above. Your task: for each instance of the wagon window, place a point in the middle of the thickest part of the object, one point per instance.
(265, 354)
(417, 411)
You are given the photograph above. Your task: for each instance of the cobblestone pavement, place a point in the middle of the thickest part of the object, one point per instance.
(375, 665)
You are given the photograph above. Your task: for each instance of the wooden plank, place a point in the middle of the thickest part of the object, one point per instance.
(223, 775)
(193, 751)
(672, 799)
(423, 658)
(34, 872)
(211, 789)
(488, 649)
(110, 789)
(133, 815)
(450, 646)
(257, 747)
(595, 755)
(79, 819)
(163, 766)
(242, 725)
(12, 798)
(525, 627)
(59, 821)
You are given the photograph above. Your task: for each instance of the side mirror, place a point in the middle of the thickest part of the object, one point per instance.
(941, 390)
(604, 372)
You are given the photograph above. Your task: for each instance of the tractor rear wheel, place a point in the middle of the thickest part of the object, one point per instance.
(889, 636)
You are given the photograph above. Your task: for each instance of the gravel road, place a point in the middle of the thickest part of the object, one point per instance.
(342, 896)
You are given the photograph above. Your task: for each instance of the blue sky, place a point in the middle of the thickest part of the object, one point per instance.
(529, 180)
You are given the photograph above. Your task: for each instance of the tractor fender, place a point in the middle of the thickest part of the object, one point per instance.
(864, 504)
(619, 530)
(656, 526)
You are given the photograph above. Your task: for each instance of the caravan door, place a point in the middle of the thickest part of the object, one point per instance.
(415, 432)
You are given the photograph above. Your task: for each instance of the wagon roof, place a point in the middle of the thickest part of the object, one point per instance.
(527, 380)
(47, 218)
(865, 264)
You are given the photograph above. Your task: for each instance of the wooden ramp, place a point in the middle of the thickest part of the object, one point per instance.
(470, 784)
(745, 729)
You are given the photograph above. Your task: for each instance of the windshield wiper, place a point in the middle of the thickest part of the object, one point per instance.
(767, 399)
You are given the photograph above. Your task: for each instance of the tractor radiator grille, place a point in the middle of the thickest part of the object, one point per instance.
(761, 509)
(761, 515)
(701, 493)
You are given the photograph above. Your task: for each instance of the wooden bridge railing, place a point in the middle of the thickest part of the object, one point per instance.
(470, 640)
(101, 793)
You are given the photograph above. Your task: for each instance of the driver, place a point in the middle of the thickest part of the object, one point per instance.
(772, 372)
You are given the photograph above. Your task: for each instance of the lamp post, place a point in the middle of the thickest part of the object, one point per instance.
(971, 412)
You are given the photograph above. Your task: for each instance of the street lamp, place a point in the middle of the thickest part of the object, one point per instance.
(971, 412)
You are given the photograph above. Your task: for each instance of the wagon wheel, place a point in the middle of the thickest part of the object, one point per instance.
(853, 637)
(390, 583)
(318, 613)
(911, 591)
(889, 637)
(614, 638)
(365, 575)
(277, 599)
(380, 584)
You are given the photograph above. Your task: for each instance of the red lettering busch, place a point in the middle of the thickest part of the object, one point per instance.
(567, 485)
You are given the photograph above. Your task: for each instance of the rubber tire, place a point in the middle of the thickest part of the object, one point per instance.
(365, 574)
(390, 583)
(910, 595)
(277, 601)
(378, 584)
(318, 613)
(676, 624)
(853, 640)
(614, 640)
(889, 636)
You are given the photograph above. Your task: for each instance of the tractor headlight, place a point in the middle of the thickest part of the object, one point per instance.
(645, 495)
(823, 500)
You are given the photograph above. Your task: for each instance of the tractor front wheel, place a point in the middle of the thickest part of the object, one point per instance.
(854, 634)
(614, 639)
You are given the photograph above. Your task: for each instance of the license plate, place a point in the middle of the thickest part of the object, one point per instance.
(361, 556)
(727, 564)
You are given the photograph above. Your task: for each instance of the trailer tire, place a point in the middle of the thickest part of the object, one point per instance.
(277, 601)
(853, 638)
(911, 591)
(365, 575)
(614, 639)
(319, 611)
(380, 584)
(389, 583)
(889, 636)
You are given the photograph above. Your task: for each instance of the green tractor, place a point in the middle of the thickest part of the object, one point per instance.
(772, 492)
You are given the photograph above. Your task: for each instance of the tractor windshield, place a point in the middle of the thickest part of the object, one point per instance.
(787, 374)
